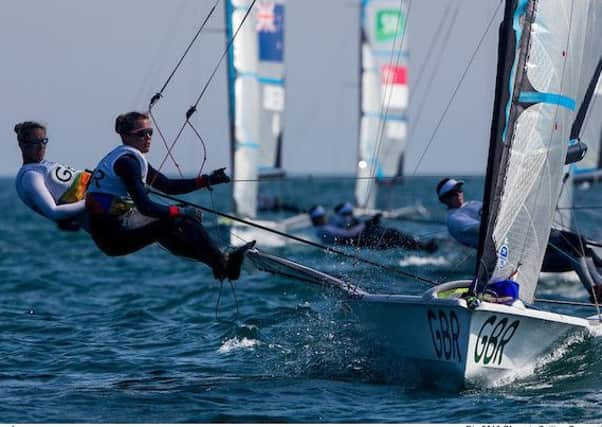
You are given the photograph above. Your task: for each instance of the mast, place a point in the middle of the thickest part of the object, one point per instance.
(383, 95)
(533, 113)
(588, 129)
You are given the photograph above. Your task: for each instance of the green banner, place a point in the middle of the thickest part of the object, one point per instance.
(389, 24)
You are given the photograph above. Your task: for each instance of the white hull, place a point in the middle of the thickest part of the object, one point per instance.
(453, 346)
(241, 233)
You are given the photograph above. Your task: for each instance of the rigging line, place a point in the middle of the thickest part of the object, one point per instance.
(192, 109)
(434, 70)
(298, 239)
(164, 140)
(432, 138)
(159, 94)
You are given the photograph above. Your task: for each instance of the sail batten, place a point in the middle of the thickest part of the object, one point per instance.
(545, 79)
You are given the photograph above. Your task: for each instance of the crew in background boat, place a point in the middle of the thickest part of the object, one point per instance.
(345, 229)
(51, 189)
(123, 219)
(566, 251)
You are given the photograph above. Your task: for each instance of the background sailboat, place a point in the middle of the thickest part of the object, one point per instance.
(383, 104)
(256, 85)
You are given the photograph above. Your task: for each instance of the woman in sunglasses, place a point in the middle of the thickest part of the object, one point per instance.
(51, 189)
(124, 219)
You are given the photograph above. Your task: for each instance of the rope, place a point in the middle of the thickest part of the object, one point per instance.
(436, 130)
(159, 94)
(300, 239)
(192, 109)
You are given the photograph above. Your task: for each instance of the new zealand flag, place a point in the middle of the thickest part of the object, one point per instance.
(270, 31)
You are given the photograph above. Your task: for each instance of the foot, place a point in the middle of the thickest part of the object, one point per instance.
(235, 259)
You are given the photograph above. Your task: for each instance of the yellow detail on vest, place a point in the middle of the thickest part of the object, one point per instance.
(77, 191)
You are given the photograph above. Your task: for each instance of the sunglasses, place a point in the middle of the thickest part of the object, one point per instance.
(40, 141)
(142, 133)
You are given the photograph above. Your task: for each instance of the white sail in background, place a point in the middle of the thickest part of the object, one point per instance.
(546, 82)
(256, 86)
(384, 95)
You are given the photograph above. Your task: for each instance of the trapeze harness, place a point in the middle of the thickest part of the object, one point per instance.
(54, 190)
(123, 218)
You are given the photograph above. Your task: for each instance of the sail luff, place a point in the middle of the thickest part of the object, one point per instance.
(545, 80)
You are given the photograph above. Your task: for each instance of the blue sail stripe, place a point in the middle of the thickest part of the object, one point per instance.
(548, 98)
(270, 80)
(260, 79)
(387, 117)
(387, 53)
(248, 144)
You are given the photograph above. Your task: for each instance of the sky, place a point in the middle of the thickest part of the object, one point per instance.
(76, 64)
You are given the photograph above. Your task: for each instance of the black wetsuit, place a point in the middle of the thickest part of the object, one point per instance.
(181, 236)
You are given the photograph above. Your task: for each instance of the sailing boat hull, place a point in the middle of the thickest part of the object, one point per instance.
(454, 347)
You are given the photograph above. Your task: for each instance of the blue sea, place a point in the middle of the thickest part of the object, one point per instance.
(150, 338)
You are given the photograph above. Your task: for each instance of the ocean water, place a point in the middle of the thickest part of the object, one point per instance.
(150, 338)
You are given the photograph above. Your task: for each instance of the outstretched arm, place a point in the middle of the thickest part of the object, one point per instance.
(45, 204)
(181, 186)
(159, 181)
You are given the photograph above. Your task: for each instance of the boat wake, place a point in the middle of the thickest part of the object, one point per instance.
(413, 260)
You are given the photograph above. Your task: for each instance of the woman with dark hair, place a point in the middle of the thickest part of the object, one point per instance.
(123, 219)
(51, 189)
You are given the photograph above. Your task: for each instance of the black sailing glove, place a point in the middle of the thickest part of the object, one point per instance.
(218, 176)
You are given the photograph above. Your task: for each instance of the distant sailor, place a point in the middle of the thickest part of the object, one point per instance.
(345, 229)
(566, 251)
(51, 189)
(123, 219)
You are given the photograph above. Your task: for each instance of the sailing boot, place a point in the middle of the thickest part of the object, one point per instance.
(235, 259)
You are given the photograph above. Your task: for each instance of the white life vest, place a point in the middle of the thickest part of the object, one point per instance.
(65, 184)
(107, 194)
(104, 178)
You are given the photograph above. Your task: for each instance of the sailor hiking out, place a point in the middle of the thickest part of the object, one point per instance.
(566, 251)
(51, 189)
(123, 219)
(345, 229)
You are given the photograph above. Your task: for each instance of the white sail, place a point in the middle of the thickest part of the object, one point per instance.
(256, 85)
(384, 95)
(545, 84)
